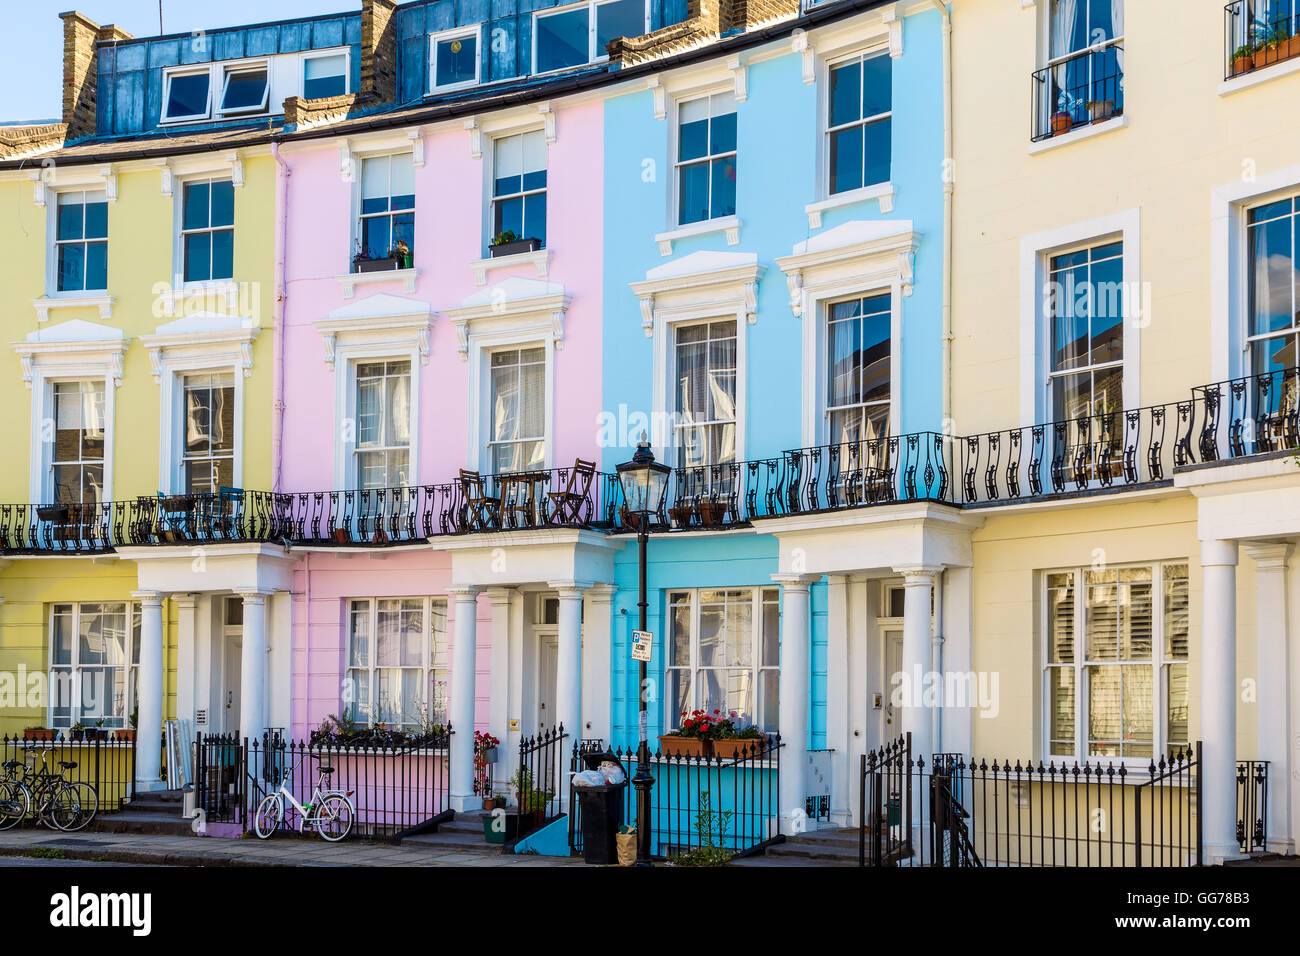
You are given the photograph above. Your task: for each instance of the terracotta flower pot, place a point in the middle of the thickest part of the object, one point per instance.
(1062, 122)
(732, 748)
(673, 745)
(44, 733)
(124, 735)
(1242, 64)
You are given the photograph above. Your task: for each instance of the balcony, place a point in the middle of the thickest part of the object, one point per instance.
(1079, 90)
(1258, 35)
(1129, 450)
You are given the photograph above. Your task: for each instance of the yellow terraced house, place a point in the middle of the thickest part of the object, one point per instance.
(138, 305)
(1127, 233)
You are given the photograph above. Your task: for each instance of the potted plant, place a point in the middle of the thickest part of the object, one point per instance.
(712, 513)
(77, 731)
(402, 253)
(741, 741)
(695, 737)
(39, 733)
(509, 243)
(128, 735)
(362, 262)
(1243, 59)
(1062, 122)
(495, 801)
(532, 799)
(681, 515)
(55, 513)
(1101, 110)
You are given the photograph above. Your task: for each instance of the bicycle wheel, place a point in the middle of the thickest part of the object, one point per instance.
(334, 817)
(269, 814)
(74, 806)
(14, 803)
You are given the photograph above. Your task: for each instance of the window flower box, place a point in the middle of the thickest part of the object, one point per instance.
(675, 745)
(126, 736)
(56, 513)
(712, 513)
(732, 748)
(39, 733)
(387, 264)
(514, 247)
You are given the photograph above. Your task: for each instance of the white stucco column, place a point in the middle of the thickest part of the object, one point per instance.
(1273, 687)
(465, 599)
(568, 669)
(499, 680)
(252, 664)
(187, 638)
(1219, 699)
(596, 663)
(149, 684)
(796, 649)
(916, 716)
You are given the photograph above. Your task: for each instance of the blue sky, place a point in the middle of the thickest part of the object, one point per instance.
(31, 52)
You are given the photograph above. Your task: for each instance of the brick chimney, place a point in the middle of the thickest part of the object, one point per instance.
(379, 50)
(80, 69)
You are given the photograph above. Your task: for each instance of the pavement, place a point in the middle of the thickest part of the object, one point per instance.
(167, 850)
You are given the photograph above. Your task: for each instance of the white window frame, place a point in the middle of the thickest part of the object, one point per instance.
(168, 76)
(823, 344)
(427, 665)
(867, 190)
(593, 55)
(674, 147)
(475, 31)
(360, 159)
(178, 214)
(1036, 252)
(345, 52)
(74, 667)
(49, 464)
(354, 466)
(489, 168)
(1158, 663)
(52, 250)
(757, 601)
(231, 70)
(673, 392)
(546, 365)
(1293, 332)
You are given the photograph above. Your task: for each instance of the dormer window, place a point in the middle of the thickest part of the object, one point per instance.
(578, 33)
(187, 96)
(245, 90)
(453, 59)
(325, 76)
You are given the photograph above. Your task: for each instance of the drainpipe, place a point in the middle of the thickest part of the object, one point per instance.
(277, 330)
(949, 176)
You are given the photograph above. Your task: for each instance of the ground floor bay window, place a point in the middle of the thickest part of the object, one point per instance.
(1115, 672)
(398, 672)
(94, 656)
(724, 654)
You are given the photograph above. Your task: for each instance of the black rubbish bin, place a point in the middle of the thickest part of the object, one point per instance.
(601, 809)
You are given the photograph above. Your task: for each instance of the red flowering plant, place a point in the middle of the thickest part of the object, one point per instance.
(705, 725)
(483, 745)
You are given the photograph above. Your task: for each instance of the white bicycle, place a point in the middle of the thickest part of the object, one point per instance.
(329, 812)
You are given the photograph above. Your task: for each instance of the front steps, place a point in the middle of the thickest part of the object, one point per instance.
(463, 833)
(154, 811)
(830, 847)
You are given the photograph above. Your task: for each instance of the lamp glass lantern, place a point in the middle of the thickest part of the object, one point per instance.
(644, 481)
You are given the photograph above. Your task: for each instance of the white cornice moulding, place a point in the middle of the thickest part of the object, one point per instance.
(515, 304)
(548, 121)
(348, 282)
(740, 70)
(416, 136)
(102, 302)
(800, 43)
(540, 259)
(890, 18)
(658, 98)
(700, 284)
(726, 224)
(884, 193)
(52, 177)
(856, 253)
(203, 335)
(378, 319)
(475, 138)
(74, 343)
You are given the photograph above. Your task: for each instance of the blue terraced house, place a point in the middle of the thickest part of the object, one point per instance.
(775, 283)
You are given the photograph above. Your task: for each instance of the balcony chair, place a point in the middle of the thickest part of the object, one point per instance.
(482, 512)
(567, 505)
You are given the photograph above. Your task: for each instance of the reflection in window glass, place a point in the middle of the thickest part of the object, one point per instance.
(455, 60)
(325, 76)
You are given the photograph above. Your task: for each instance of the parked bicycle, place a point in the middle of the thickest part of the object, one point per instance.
(329, 812)
(57, 802)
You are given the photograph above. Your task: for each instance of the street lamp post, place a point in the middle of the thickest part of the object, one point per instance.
(644, 481)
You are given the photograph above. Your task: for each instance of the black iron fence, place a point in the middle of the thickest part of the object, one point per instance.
(540, 779)
(107, 764)
(1079, 89)
(954, 812)
(398, 789)
(722, 806)
(1258, 34)
(1254, 415)
(1252, 805)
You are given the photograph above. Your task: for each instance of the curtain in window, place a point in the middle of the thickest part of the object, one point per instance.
(722, 396)
(1117, 30)
(399, 410)
(1062, 43)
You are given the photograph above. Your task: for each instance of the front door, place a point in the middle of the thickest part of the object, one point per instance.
(891, 718)
(547, 654)
(232, 662)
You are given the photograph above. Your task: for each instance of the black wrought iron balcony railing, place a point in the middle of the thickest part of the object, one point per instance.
(1255, 415)
(1258, 34)
(1078, 90)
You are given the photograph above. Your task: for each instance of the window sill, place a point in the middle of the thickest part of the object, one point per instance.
(181, 298)
(73, 301)
(541, 259)
(1254, 78)
(881, 191)
(728, 224)
(349, 282)
(1074, 136)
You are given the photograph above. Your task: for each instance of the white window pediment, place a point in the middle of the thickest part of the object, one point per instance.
(72, 347)
(376, 322)
(849, 258)
(515, 307)
(201, 340)
(700, 285)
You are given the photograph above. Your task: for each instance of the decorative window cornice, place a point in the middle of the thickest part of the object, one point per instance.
(378, 319)
(857, 254)
(700, 285)
(73, 346)
(520, 305)
(207, 337)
